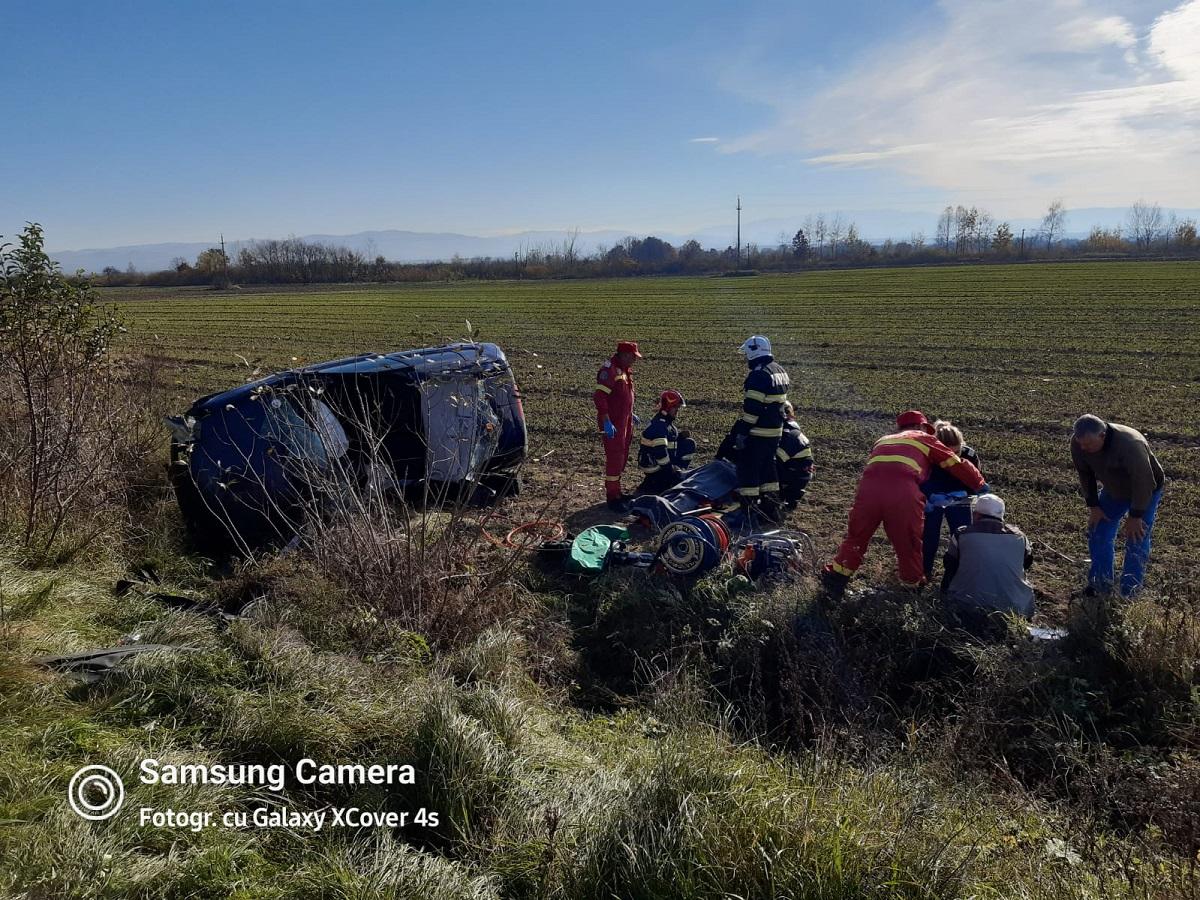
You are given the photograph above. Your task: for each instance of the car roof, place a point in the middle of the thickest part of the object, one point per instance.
(419, 364)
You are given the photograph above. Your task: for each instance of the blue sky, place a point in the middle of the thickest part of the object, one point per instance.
(132, 122)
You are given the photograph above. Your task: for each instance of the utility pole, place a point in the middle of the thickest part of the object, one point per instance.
(739, 232)
(224, 259)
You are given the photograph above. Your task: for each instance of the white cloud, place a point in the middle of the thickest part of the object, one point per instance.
(1175, 41)
(1084, 33)
(1017, 102)
(704, 140)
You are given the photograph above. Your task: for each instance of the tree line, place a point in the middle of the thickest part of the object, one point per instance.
(823, 239)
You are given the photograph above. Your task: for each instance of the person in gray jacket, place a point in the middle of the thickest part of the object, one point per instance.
(1119, 477)
(987, 560)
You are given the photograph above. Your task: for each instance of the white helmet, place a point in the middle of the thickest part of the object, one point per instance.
(755, 346)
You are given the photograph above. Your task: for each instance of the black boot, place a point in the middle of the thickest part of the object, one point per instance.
(833, 585)
(770, 510)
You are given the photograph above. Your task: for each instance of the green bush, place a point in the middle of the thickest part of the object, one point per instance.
(75, 425)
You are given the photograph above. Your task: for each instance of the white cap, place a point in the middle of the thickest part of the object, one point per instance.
(755, 346)
(989, 505)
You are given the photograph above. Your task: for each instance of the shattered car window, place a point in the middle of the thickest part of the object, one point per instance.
(329, 429)
(316, 438)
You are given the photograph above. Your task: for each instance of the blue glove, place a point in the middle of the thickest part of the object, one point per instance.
(610, 430)
(984, 489)
(636, 420)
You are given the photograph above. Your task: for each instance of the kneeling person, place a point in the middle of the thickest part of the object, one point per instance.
(685, 450)
(987, 560)
(661, 456)
(794, 460)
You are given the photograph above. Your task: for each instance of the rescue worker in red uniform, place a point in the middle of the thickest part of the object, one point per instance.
(890, 493)
(614, 397)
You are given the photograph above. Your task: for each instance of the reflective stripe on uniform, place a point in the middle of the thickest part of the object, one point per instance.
(782, 454)
(840, 569)
(746, 417)
(767, 432)
(911, 442)
(649, 470)
(952, 461)
(806, 453)
(612, 477)
(775, 398)
(912, 463)
(770, 487)
(604, 387)
(749, 491)
(756, 395)
(654, 442)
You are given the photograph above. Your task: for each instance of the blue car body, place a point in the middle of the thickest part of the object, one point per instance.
(249, 464)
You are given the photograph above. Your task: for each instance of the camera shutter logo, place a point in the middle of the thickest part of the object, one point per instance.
(96, 792)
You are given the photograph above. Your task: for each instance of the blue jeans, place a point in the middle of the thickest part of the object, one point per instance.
(956, 517)
(1102, 542)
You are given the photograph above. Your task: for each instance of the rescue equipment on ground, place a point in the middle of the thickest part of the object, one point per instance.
(535, 533)
(621, 555)
(708, 486)
(590, 549)
(769, 555)
(694, 544)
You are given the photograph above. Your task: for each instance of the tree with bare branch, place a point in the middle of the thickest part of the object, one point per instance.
(1145, 224)
(1054, 223)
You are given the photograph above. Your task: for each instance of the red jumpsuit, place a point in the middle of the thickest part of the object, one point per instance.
(614, 400)
(890, 492)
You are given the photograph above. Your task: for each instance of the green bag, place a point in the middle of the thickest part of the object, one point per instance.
(590, 548)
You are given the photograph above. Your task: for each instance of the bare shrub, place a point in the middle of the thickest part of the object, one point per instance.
(423, 569)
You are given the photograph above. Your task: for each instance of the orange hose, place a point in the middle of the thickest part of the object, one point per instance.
(556, 532)
(555, 529)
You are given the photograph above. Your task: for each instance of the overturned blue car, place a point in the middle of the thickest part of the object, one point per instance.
(250, 466)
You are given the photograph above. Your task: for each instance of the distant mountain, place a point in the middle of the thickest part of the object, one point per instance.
(419, 246)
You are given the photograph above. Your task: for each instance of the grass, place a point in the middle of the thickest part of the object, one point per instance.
(535, 800)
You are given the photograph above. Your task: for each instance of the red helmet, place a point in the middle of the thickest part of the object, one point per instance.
(629, 347)
(911, 418)
(670, 400)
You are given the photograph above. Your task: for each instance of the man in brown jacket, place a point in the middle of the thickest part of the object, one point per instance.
(1118, 475)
